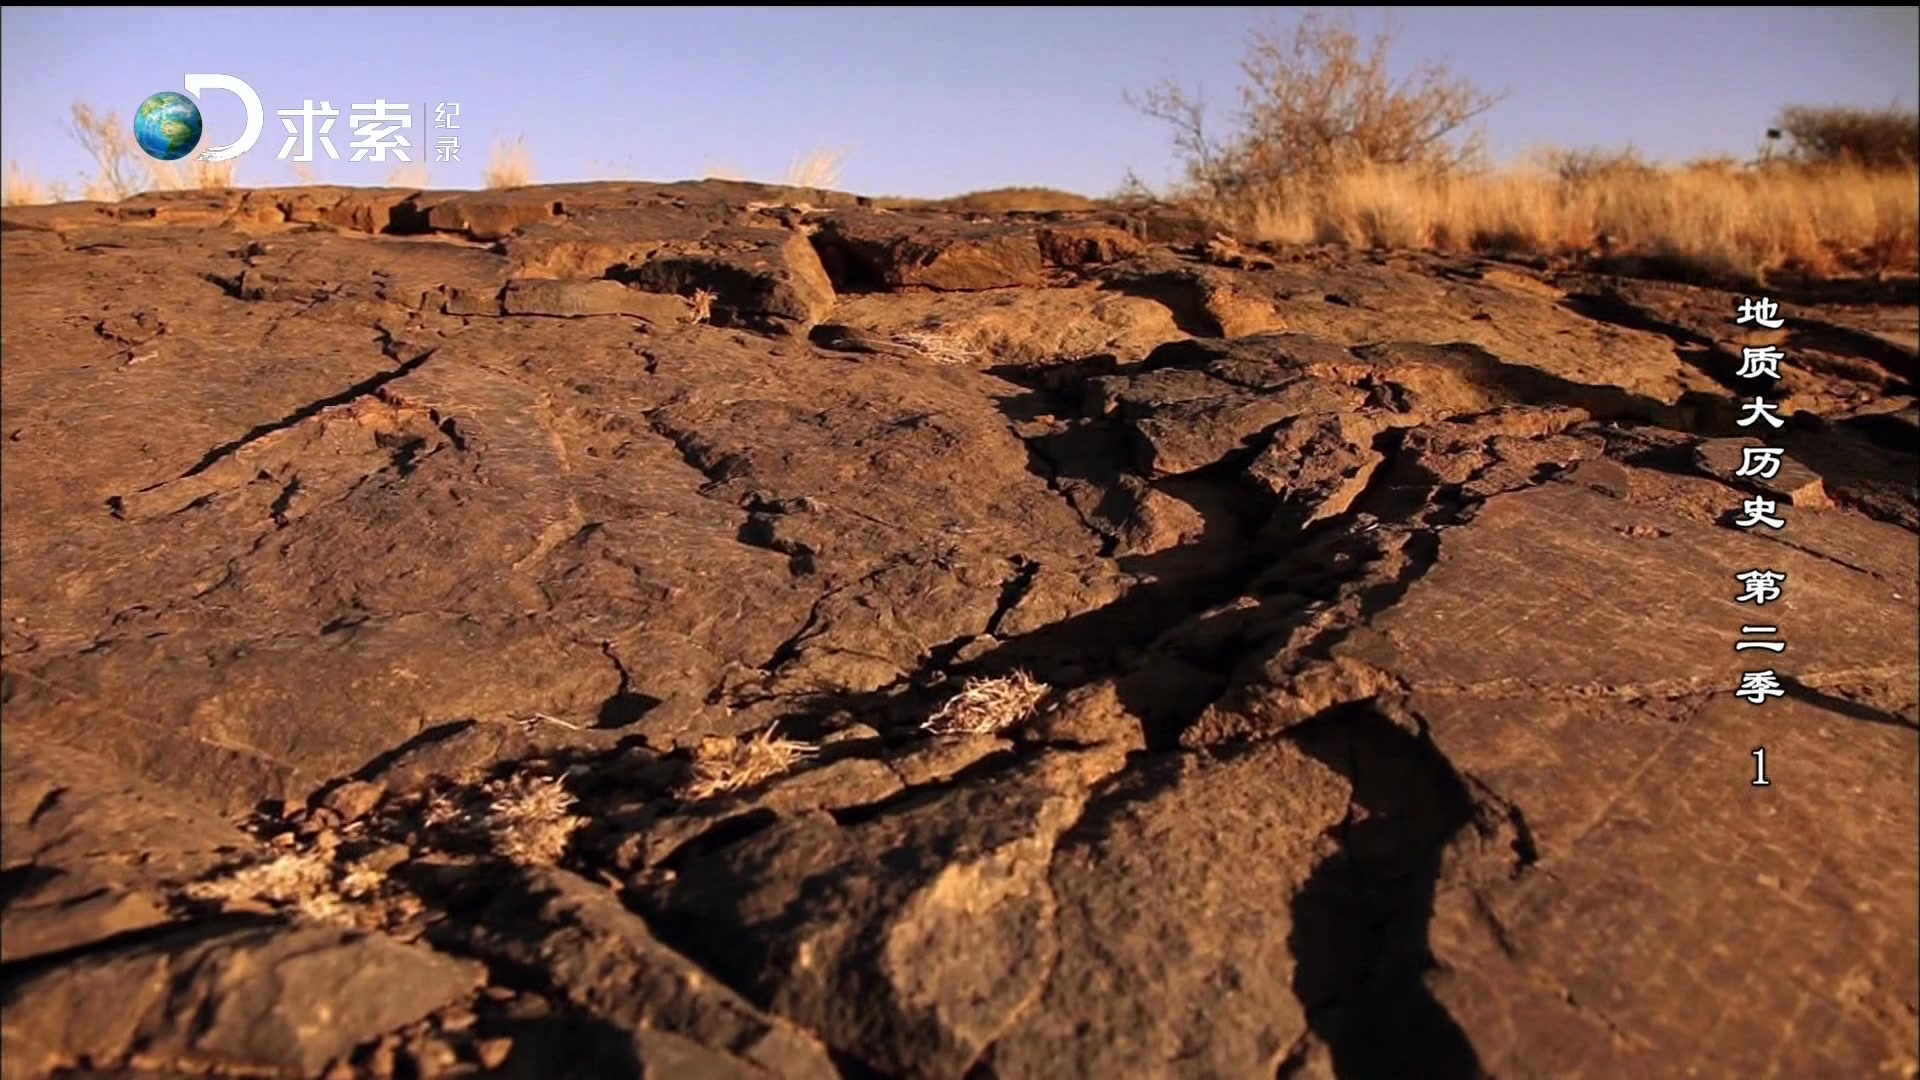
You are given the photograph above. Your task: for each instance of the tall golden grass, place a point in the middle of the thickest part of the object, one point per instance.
(1721, 221)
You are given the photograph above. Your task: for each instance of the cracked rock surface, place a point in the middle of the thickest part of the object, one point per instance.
(714, 630)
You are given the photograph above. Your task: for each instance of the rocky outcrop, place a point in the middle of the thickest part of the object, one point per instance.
(717, 630)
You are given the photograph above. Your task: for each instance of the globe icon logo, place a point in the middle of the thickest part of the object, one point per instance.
(167, 125)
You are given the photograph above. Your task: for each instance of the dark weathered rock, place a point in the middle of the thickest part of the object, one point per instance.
(604, 960)
(283, 1000)
(928, 251)
(757, 277)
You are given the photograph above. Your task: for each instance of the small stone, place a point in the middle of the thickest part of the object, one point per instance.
(383, 1062)
(432, 1058)
(493, 1053)
(354, 799)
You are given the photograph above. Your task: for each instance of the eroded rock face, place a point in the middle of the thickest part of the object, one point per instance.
(718, 630)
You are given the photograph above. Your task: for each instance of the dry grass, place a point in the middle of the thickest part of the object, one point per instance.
(986, 706)
(1719, 220)
(309, 884)
(120, 168)
(700, 305)
(938, 347)
(414, 174)
(529, 822)
(25, 190)
(509, 164)
(1331, 146)
(725, 765)
(817, 169)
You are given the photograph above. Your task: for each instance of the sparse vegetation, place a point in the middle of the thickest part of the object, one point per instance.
(120, 168)
(818, 169)
(509, 164)
(1863, 138)
(413, 174)
(723, 765)
(1330, 149)
(938, 347)
(24, 190)
(529, 821)
(1317, 104)
(1723, 223)
(700, 305)
(986, 706)
(309, 885)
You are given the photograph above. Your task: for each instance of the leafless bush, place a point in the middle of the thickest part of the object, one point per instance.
(1868, 138)
(1317, 103)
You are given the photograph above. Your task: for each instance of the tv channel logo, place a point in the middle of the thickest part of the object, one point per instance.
(168, 126)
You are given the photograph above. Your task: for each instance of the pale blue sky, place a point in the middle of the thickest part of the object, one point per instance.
(926, 101)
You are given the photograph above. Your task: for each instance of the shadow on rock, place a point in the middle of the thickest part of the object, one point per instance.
(1360, 923)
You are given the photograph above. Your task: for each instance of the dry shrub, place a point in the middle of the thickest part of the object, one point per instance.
(1317, 104)
(1330, 149)
(723, 765)
(122, 169)
(986, 706)
(1865, 138)
(509, 164)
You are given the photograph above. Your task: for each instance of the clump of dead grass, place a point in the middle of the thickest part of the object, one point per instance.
(700, 305)
(23, 189)
(310, 885)
(529, 821)
(985, 706)
(941, 348)
(509, 164)
(724, 765)
(816, 169)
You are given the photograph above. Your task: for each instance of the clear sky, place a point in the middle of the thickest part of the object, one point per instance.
(924, 101)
